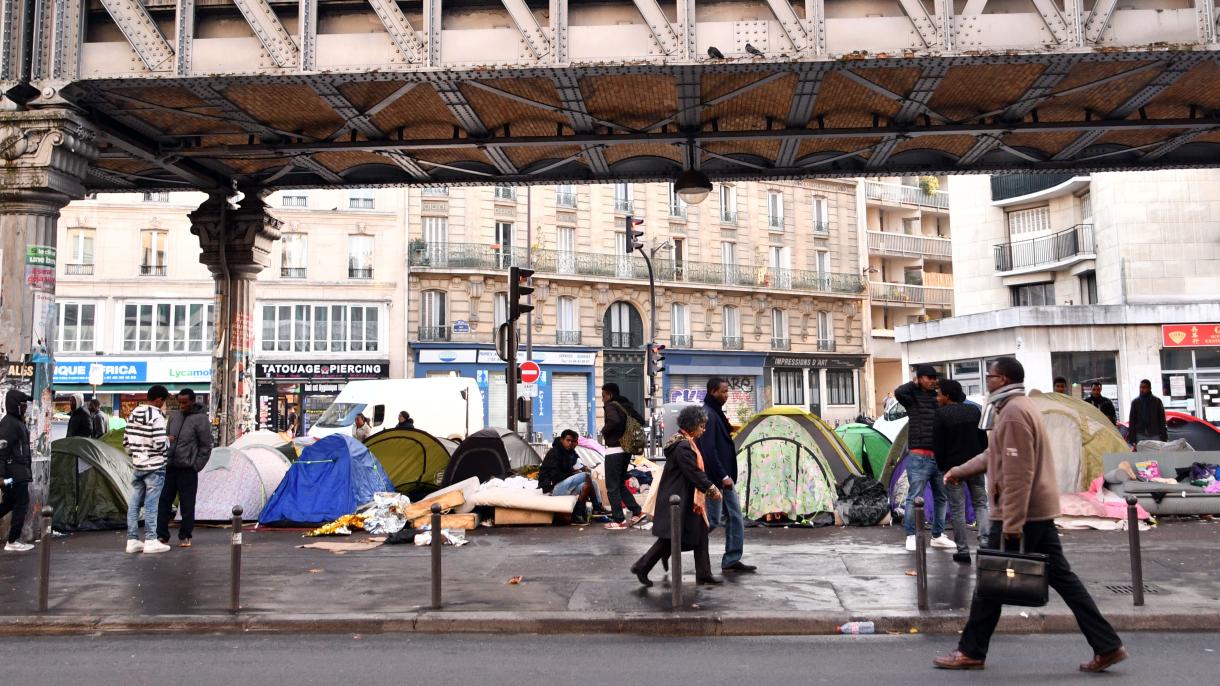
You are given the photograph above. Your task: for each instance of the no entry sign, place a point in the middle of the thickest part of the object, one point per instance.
(530, 371)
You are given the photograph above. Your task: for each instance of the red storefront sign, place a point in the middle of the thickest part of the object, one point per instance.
(1190, 335)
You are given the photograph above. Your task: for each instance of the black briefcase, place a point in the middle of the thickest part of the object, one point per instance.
(1012, 578)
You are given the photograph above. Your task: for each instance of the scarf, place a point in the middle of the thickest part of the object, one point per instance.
(700, 505)
(996, 401)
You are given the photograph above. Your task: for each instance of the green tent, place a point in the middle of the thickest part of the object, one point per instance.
(90, 485)
(415, 460)
(114, 439)
(870, 447)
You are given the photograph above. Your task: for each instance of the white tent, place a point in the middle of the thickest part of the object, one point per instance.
(239, 477)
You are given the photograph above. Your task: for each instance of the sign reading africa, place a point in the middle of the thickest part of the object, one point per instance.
(1190, 335)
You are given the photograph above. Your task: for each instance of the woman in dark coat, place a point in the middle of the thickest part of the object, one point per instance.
(684, 477)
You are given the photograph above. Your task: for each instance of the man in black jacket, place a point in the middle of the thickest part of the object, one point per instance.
(720, 464)
(190, 445)
(562, 473)
(956, 439)
(1102, 403)
(97, 420)
(16, 470)
(79, 423)
(1147, 418)
(617, 409)
(919, 399)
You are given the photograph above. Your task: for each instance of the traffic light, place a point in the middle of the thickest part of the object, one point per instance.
(633, 241)
(656, 358)
(517, 291)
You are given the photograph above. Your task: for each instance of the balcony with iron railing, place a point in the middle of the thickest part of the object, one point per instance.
(908, 245)
(911, 294)
(1006, 186)
(623, 206)
(624, 340)
(781, 344)
(677, 210)
(775, 223)
(905, 195)
(734, 343)
(631, 267)
(152, 270)
(505, 193)
(567, 338)
(728, 217)
(565, 199)
(681, 340)
(826, 345)
(436, 192)
(359, 272)
(292, 272)
(433, 333)
(821, 228)
(1055, 251)
(78, 269)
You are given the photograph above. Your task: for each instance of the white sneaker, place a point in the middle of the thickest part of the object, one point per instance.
(155, 546)
(17, 547)
(911, 543)
(943, 541)
(134, 546)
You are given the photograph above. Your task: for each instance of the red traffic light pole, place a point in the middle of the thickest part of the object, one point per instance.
(632, 244)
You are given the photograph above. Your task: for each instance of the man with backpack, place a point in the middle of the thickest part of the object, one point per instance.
(623, 436)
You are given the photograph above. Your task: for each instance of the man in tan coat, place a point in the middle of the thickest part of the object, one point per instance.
(1024, 501)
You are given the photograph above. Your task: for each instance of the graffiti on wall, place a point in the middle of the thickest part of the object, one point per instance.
(741, 395)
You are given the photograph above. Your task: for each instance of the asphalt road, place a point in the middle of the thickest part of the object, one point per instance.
(586, 660)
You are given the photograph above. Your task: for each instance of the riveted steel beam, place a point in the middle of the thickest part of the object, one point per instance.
(800, 111)
(9, 15)
(407, 163)
(531, 32)
(1175, 70)
(568, 88)
(559, 29)
(1205, 16)
(690, 96)
(1039, 91)
(948, 25)
(141, 32)
(308, 21)
(124, 138)
(917, 106)
(307, 162)
(815, 16)
(451, 94)
(215, 99)
(184, 36)
(1099, 20)
(790, 24)
(401, 32)
(1054, 21)
(918, 15)
(974, 8)
(682, 110)
(432, 29)
(270, 32)
(662, 31)
(352, 117)
(688, 24)
(1166, 147)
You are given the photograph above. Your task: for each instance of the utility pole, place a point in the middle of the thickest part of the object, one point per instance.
(654, 355)
(529, 316)
(516, 308)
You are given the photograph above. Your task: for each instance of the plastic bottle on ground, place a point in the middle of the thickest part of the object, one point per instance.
(856, 628)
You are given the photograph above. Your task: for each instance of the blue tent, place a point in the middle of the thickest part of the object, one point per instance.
(332, 478)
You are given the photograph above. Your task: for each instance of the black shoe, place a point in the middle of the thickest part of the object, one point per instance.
(962, 556)
(741, 567)
(641, 575)
(709, 581)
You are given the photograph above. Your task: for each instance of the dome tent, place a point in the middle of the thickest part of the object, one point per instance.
(482, 454)
(414, 459)
(90, 485)
(1079, 434)
(266, 438)
(1199, 433)
(246, 477)
(332, 478)
(789, 461)
(870, 447)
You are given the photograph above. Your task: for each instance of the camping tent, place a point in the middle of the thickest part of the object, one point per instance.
(1079, 434)
(266, 438)
(1199, 433)
(789, 461)
(414, 459)
(870, 447)
(90, 485)
(520, 453)
(114, 439)
(332, 478)
(245, 477)
(482, 454)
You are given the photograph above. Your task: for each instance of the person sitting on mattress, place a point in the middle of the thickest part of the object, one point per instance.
(562, 473)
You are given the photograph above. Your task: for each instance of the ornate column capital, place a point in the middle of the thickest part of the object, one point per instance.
(244, 236)
(47, 153)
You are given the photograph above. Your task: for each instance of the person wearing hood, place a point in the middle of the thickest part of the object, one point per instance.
(97, 420)
(190, 446)
(405, 421)
(79, 423)
(1147, 418)
(562, 473)
(16, 471)
(617, 409)
(720, 459)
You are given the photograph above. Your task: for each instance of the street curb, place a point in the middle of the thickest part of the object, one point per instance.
(1016, 621)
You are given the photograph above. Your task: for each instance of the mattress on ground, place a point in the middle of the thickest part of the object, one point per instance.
(467, 487)
(521, 499)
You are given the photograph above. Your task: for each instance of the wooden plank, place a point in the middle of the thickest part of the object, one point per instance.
(509, 516)
(468, 522)
(447, 501)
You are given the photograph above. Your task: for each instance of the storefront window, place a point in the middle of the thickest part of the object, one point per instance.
(1190, 381)
(789, 387)
(166, 327)
(841, 387)
(320, 328)
(1082, 369)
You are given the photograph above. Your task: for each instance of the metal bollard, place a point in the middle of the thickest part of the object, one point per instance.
(235, 562)
(44, 564)
(437, 541)
(675, 551)
(921, 554)
(1137, 563)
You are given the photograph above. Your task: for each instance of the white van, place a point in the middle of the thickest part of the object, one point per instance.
(444, 407)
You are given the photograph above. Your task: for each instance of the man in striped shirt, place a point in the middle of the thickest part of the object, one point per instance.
(148, 448)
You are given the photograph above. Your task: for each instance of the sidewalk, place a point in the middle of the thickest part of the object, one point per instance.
(577, 580)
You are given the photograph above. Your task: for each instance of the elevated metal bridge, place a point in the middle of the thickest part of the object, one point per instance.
(273, 93)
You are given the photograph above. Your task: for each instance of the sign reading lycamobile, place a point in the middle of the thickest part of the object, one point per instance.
(312, 371)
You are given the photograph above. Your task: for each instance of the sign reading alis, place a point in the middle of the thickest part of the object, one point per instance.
(1190, 335)
(346, 371)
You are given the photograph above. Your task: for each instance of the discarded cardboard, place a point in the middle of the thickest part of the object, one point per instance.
(509, 516)
(467, 522)
(447, 501)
